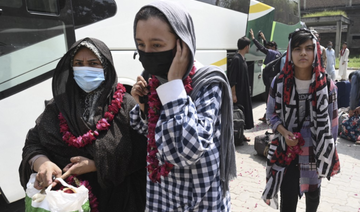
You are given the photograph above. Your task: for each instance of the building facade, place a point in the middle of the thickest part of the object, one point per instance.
(350, 33)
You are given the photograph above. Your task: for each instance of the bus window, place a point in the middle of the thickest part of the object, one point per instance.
(44, 6)
(27, 44)
(13, 3)
(88, 12)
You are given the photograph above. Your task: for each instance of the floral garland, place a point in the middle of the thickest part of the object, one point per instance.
(155, 170)
(292, 151)
(102, 124)
(73, 180)
(342, 51)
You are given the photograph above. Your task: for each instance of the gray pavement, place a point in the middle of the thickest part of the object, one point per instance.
(340, 194)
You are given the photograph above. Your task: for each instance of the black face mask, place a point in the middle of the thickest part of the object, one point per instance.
(157, 63)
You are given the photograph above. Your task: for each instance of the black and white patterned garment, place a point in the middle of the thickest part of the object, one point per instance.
(188, 136)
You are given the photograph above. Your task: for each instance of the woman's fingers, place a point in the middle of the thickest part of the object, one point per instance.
(44, 179)
(180, 62)
(183, 51)
(140, 87)
(290, 139)
(66, 174)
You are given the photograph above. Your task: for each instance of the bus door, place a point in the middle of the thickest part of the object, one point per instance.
(34, 35)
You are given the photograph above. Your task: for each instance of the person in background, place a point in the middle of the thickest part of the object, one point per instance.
(323, 50)
(330, 61)
(343, 63)
(238, 76)
(85, 132)
(185, 110)
(302, 112)
(271, 52)
(354, 78)
(269, 48)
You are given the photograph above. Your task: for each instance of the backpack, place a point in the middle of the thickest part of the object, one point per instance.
(271, 70)
(262, 143)
(239, 124)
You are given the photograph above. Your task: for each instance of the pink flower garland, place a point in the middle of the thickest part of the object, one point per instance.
(292, 151)
(156, 171)
(102, 124)
(74, 181)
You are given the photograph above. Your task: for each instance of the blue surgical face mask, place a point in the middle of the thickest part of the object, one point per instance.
(88, 78)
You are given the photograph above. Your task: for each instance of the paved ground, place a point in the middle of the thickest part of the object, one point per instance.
(340, 194)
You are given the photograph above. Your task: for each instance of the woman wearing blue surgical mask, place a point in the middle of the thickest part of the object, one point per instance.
(84, 131)
(88, 70)
(185, 110)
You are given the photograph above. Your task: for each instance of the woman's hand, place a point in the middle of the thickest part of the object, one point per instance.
(46, 172)
(234, 98)
(351, 113)
(357, 111)
(79, 165)
(354, 112)
(140, 89)
(180, 62)
(290, 138)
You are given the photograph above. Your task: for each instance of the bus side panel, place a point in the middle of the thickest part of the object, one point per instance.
(264, 24)
(212, 57)
(127, 66)
(25, 106)
(281, 34)
(261, 17)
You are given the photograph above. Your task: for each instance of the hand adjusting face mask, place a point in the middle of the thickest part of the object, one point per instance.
(88, 78)
(157, 63)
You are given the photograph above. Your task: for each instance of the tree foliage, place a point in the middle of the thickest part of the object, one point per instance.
(286, 11)
(238, 5)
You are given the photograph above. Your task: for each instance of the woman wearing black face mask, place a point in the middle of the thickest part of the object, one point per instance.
(85, 131)
(189, 121)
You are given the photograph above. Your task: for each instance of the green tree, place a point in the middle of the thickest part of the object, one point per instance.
(286, 11)
(238, 5)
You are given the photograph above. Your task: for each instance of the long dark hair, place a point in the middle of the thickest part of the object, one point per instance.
(299, 37)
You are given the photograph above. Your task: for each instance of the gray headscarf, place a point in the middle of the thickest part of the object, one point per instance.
(213, 74)
(181, 22)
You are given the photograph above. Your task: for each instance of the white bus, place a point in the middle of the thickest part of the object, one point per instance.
(34, 35)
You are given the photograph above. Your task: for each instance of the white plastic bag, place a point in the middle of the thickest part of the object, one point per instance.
(57, 201)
